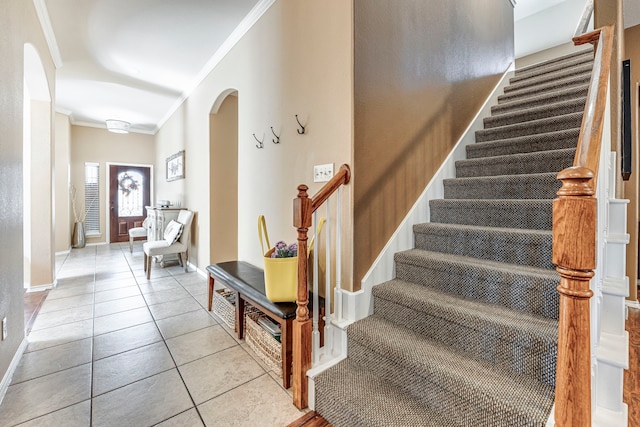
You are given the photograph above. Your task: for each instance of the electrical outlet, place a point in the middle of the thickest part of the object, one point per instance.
(4, 328)
(322, 173)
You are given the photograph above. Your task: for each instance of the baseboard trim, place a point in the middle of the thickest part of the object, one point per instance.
(6, 380)
(41, 288)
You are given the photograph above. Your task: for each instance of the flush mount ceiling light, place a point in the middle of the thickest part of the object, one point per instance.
(117, 126)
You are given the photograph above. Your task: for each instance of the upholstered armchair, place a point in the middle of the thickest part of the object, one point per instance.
(176, 241)
(138, 232)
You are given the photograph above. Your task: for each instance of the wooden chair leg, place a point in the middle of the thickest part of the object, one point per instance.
(145, 261)
(131, 244)
(185, 262)
(149, 258)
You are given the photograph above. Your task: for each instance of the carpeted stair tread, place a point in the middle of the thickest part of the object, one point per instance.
(566, 138)
(584, 54)
(550, 124)
(517, 287)
(528, 213)
(524, 186)
(551, 109)
(507, 245)
(361, 398)
(514, 164)
(518, 82)
(474, 391)
(550, 79)
(523, 74)
(520, 93)
(564, 94)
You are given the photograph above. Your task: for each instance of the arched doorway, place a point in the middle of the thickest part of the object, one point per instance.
(38, 154)
(223, 175)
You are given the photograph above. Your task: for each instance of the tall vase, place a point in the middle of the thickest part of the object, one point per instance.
(78, 240)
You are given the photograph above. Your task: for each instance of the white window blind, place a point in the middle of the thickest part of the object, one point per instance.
(92, 198)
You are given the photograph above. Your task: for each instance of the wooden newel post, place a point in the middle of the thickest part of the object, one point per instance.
(574, 246)
(302, 209)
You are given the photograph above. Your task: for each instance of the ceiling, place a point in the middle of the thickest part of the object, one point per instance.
(137, 60)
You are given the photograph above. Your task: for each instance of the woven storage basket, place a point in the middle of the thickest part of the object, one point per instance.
(268, 349)
(223, 308)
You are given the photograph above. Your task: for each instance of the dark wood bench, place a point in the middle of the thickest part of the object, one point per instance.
(248, 282)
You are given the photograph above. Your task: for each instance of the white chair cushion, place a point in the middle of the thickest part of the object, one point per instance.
(137, 232)
(172, 232)
(161, 247)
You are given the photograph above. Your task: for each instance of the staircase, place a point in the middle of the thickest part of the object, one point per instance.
(466, 334)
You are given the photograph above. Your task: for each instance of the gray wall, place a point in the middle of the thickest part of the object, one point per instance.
(18, 25)
(422, 70)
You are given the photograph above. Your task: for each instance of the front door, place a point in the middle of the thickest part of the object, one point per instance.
(129, 193)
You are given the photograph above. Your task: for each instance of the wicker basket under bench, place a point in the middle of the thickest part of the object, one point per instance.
(265, 345)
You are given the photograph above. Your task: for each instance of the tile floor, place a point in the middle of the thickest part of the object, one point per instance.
(109, 348)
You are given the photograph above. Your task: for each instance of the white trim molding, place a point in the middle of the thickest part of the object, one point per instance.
(6, 380)
(47, 29)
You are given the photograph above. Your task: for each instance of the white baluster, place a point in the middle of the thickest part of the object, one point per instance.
(316, 302)
(338, 300)
(327, 283)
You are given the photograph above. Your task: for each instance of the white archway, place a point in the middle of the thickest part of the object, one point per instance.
(37, 174)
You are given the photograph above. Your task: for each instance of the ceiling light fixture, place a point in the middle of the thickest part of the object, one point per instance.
(117, 126)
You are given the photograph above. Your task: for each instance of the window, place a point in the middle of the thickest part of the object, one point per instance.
(92, 198)
(130, 195)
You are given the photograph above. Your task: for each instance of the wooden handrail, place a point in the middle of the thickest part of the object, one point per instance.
(574, 245)
(303, 208)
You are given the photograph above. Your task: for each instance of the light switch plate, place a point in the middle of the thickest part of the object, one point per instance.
(322, 173)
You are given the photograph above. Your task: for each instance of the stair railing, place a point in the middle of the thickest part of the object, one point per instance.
(574, 244)
(306, 334)
(585, 18)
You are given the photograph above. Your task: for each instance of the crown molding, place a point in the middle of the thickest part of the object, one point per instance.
(245, 25)
(47, 29)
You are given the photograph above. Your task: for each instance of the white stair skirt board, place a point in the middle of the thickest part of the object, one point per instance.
(402, 239)
(6, 380)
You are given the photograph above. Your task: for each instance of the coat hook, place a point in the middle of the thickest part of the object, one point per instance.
(260, 144)
(300, 132)
(277, 140)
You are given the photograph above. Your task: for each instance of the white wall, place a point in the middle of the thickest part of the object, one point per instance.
(297, 59)
(551, 27)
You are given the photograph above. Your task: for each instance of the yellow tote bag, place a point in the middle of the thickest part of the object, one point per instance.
(280, 274)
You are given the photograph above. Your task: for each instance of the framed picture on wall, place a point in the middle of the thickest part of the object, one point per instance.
(175, 166)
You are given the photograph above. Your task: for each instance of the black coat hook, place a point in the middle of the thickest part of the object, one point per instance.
(277, 140)
(260, 144)
(300, 132)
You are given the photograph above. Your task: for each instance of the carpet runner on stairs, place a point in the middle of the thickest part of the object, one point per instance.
(466, 334)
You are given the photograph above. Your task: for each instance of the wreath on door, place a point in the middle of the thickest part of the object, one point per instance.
(127, 184)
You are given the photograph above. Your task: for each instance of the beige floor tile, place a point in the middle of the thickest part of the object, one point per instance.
(174, 308)
(197, 288)
(40, 396)
(113, 294)
(121, 320)
(204, 342)
(53, 359)
(62, 317)
(107, 285)
(124, 340)
(160, 297)
(125, 368)
(145, 402)
(156, 273)
(78, 415)
(119, 305)
(159, 284)
(103, 276)
(70, 291)
(189, 418)
(50, 337)
(260, 402)
(213, 375)
(66, 303)
(185, 323)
